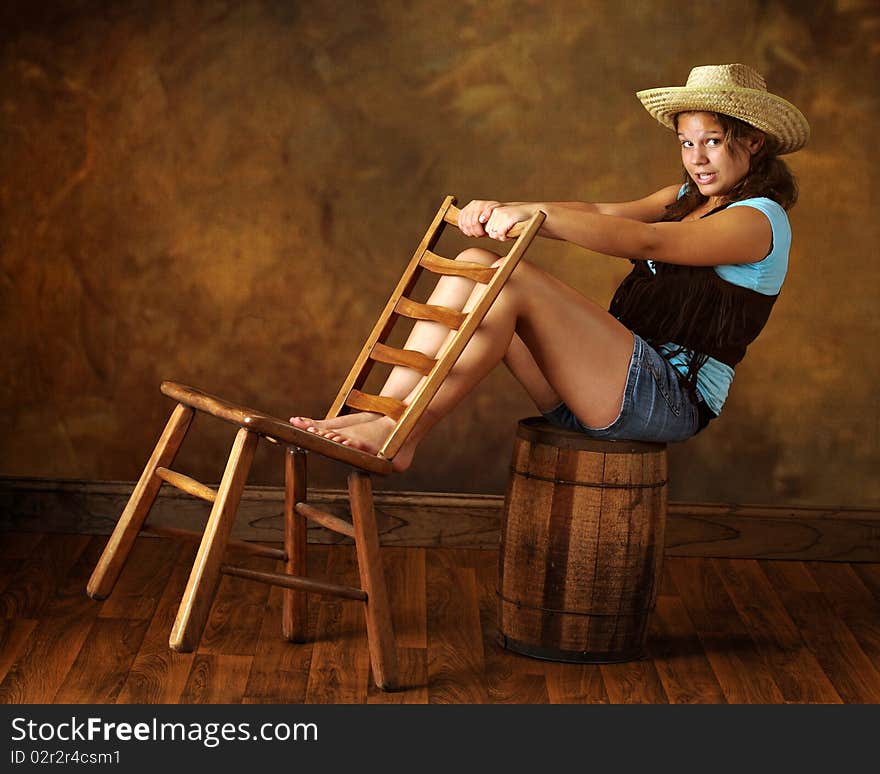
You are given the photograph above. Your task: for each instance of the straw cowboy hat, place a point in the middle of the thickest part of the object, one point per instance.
(735, 90)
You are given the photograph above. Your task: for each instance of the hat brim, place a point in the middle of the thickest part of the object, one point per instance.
(781, 121)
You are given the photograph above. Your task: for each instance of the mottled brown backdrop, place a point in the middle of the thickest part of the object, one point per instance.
(224, 193)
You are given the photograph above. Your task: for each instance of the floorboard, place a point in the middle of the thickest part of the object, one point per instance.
(456, 662)
(158, 675)
(216, 679)
(722, 631)
(103, 663)
(405, 577)
(141, 584)
(852, 602)
(794, 667)
(575, 683)
(234, 621)
(682, 667)
(413, 671)
(738, 666)
(39, 577)
(633, 682)
(280, 670)
(19, 545)
(852, 673)
(870, 576)
(13, 636)
(340, 664)
(511, 678)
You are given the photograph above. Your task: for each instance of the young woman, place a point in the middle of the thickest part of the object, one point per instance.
(709, 258)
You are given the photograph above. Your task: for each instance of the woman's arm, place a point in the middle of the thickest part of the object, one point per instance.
(647, 210)
(475, 215)
(736, 235)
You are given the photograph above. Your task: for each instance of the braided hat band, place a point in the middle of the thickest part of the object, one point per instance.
(735, 90)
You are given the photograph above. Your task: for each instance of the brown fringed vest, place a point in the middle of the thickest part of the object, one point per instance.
(694, 308)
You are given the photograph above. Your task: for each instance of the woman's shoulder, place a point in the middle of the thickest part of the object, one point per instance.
(774, 211)
(767, 275)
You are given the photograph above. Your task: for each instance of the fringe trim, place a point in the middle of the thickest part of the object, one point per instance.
(693, 307)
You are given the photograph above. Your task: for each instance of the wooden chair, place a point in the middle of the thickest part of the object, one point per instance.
(209, 564)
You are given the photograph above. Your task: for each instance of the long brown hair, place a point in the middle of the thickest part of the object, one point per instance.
(768, 175)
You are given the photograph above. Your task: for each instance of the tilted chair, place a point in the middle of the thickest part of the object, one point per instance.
(209, 564)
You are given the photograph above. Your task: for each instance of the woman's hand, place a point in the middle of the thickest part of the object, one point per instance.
(472, 217)
(504, 217)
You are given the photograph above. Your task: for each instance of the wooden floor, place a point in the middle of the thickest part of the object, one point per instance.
(735, 631)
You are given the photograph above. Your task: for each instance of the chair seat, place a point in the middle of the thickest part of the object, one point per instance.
(274, 428)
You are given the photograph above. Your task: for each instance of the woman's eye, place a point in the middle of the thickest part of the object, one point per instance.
(687, 144)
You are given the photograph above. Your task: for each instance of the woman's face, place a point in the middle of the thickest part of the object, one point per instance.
(713, 164)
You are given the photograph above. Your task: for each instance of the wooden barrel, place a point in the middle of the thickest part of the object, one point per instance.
(581, 545)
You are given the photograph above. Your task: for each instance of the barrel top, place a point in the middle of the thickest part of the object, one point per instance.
(539, 430)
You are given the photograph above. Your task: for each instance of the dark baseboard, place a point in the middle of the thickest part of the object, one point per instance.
(452, 520)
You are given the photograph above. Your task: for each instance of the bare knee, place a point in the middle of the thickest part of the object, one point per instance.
(524, 272)
(478, 255)
(523, 277)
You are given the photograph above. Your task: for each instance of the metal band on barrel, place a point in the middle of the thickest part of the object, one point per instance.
(572, 612)
(592, 484)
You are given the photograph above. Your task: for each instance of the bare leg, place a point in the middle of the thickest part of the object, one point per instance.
(518, 360)
(427, 337)
(522, 365)
(581, 350)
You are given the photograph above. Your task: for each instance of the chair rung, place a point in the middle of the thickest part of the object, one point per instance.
(390, 407)
(254, 549)
(439, 265)
(441, 314)
(402, 357)
(295, 582)
(187, 484)
(325, 519)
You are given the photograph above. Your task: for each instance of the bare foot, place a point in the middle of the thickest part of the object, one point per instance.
(369, 437)
(346, 420)
(366, 436)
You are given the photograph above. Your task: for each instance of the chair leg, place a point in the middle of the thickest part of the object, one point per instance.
(192, 615)
(295, 604)
(380, 631)
(139, 504)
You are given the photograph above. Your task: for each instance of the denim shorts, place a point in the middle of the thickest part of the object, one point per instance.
(656, 405)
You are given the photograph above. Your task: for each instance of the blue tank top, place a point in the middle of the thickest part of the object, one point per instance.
(765, 276)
